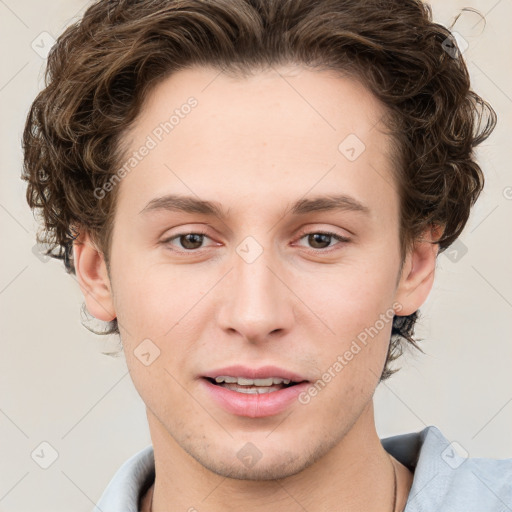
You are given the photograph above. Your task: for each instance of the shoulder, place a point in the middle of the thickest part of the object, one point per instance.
(445, 478)
(129, 483)
(479, 483)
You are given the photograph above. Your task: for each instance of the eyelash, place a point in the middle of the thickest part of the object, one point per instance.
(303, 234)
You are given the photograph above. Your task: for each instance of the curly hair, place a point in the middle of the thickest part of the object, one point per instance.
(103, 67)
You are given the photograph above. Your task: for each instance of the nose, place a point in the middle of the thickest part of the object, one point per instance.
(256, 298)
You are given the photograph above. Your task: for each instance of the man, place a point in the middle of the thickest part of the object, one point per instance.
(254, 193)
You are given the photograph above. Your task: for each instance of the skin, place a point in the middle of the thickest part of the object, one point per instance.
(257, 145)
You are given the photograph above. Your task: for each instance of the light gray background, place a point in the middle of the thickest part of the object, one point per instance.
(57, 386)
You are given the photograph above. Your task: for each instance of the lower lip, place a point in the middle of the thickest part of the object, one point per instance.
(254, 405)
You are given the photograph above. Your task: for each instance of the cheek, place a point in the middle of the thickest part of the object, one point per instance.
(150, 300)
(157, 305)
(352, 297)
(356, 303)
(351, 365)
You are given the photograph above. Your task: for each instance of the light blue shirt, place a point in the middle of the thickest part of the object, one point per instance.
(444, 481)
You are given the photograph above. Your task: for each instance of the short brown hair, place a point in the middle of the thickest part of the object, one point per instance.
(102, 68)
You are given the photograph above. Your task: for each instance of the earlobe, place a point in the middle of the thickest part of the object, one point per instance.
(92, 276)
(418, 272)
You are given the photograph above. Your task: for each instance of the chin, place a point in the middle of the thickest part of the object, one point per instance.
(273, 462)
(261, 471)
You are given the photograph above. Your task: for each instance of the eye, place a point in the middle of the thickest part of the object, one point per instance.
(192, 241)
(189, 241)
(320, 240)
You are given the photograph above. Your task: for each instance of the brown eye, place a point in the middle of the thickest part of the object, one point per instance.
(321, 241)
(318, 240)
(191, 240)
(187, 241)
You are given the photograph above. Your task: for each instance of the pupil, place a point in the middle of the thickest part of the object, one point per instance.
(314, 238)
(198, 238)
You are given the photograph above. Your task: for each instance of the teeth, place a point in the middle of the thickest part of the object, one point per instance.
(251, 390)
(242, 381)
(229, 380)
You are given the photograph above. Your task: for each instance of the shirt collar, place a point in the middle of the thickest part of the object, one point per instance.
(428, 454)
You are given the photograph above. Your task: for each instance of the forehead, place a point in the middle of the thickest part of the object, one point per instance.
(282, 132)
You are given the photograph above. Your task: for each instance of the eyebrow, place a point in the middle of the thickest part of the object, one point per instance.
(190, 204)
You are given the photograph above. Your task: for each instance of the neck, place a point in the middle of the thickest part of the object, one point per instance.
(357, 474)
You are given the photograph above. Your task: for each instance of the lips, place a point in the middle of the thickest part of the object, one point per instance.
(239, 390)
(264, 372)
(253, 405)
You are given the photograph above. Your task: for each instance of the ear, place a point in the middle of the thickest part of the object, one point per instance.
(417, 277)
(92, 276)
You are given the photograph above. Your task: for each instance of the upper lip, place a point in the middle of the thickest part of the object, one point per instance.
(263, 372)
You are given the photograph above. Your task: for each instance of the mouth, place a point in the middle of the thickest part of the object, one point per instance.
(254, 393)
(252, 386)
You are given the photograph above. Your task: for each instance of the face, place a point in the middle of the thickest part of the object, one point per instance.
(273, 276)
